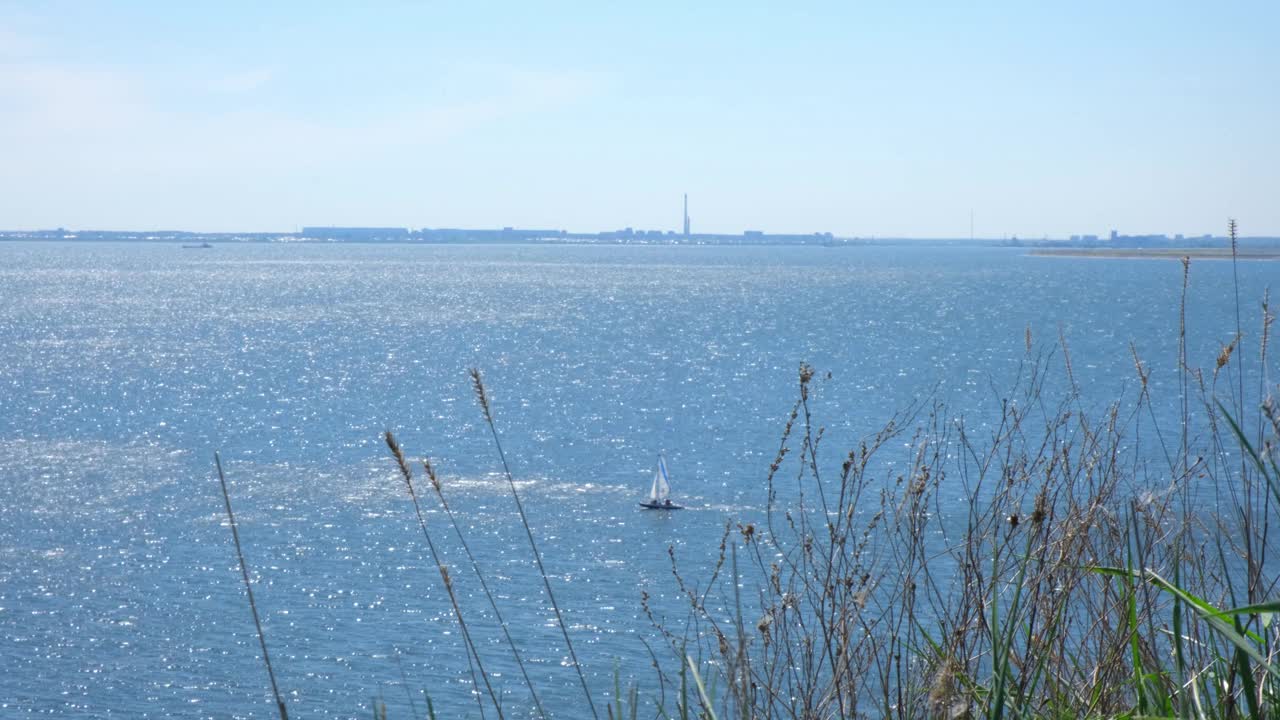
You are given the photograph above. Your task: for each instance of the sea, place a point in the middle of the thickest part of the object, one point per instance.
(124, 368)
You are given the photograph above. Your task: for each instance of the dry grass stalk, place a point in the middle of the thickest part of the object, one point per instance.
(248, 588)
(474, 661)
(482, 396)
(856, 613)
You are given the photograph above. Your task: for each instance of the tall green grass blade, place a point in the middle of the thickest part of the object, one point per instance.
(617, 691)
(1249, 687)
(1135, 652)
(1271, 606)
(1244, 640)
(709, 709)
(1273, 481)
(1002, 647)
(1179, 651)
(998, 656)
(684, 689)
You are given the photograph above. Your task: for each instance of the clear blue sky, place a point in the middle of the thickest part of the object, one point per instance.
(892, 119)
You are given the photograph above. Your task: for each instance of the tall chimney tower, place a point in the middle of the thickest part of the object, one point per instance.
(686, 214)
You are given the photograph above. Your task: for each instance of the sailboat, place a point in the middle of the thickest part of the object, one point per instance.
(659, 493)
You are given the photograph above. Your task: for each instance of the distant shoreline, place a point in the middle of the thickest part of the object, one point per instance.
(1250, 248)
(1161, 253)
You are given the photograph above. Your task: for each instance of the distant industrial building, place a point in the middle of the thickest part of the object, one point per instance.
(1116, 240)
(356, 234)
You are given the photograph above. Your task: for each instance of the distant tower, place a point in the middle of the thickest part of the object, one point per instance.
(686, 214)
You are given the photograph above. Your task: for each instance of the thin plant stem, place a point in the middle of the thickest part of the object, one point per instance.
(483, 397)
(1235, 284)
(475, 566)
(407, 474)
(248, 588)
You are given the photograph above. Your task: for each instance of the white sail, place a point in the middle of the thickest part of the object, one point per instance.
(660, 491)
(661, 488)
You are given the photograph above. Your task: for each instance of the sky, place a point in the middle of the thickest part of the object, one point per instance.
(902, 119)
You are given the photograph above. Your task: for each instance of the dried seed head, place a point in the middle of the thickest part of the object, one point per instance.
(1143, 373)
(806, 373)
(944, 692)
(1224, 356)
(1267, 319)
(431, 474)
(477, 384)
(763, 625)
(400, 459)
(1041, 510)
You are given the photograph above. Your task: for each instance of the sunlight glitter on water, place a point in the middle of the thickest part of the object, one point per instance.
(127, 367)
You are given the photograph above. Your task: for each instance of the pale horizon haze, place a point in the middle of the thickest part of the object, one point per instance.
(857, 119)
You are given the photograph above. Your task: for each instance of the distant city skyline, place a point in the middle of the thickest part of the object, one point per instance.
(686, 231)
(887, 121)
(619, 236)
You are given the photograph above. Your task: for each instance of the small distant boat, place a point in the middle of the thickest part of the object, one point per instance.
(660, 492)
(201, 246)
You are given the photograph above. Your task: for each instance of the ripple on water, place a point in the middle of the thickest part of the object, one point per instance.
(123, 368)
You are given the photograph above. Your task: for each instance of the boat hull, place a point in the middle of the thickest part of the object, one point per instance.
(660, 506)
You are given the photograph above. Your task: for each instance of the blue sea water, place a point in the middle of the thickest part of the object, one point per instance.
(123, 367)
